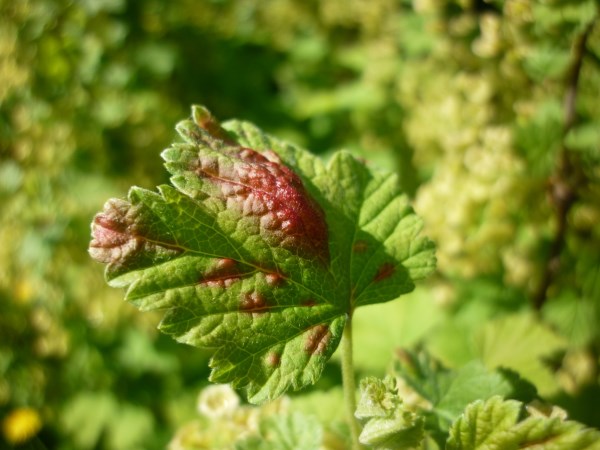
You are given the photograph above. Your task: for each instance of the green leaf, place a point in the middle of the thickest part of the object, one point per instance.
(474, 381)
(400, 323)
(574, 317)
(422, 373)
(387, 423)
(323, 404)
(447, 392)
(90, 417)
(522, 343)
(495, 424)
(130, 427)
(138, 355)
(82, 427)
(288, 432)
(259, 251)
(583, 137)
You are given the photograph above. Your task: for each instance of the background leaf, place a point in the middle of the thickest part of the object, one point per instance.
(287, 432)
(496, 423)
(442, 394)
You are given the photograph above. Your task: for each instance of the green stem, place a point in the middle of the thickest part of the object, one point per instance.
(349, 384)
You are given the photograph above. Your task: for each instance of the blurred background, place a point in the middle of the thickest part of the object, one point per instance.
(489, 111)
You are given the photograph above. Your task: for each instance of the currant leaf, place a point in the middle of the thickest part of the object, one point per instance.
(259, 251)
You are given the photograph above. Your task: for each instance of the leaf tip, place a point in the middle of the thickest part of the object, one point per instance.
(204, 119)
(111, 234)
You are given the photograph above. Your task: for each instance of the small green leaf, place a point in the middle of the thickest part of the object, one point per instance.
(447, 392)
(387, 423)
(521, 342)
(288, 432)
(83, 428)
(260, 252)
(474, 381)
(495, 424)
(91, 417)
(422, 373)
(584, 136)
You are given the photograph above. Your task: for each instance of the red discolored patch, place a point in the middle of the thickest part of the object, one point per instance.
(276, 195)
(223, 274)
(254, 303)
(386, 270)
(118, 236)
(309, 302)
(220, 282)
(273, 359)
(274, 279)
(317, 339)
(360, 247)
(226, 264)
(259, 185)
(110, 230)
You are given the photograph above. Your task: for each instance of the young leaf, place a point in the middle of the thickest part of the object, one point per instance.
(285, 432)
(446, 393)
(523, 343)
(387, 423)
(259, 251)
(495, 424)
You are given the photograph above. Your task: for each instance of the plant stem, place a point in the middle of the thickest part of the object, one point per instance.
(567, 178)
(349, 384)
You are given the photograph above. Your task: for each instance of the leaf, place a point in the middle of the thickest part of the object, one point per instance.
(138, 355)
(521, 342)
(130, 427)
(583, 137)
(387, 423)
(422, 373)
(260, 252)
(90, 417)
(288, 432)
(574, 317)
(448, 392)
(496, 424)
(400, 323)
(83, 428)
(323, 404)
(474, 381)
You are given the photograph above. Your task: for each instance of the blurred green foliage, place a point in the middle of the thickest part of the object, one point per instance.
(464, 98)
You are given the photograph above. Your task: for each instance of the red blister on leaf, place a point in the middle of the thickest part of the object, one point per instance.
(258, 184)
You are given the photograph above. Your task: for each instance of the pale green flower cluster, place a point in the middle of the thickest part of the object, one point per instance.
(468, 104)
(475, 189)
(12, 74)
(226, 423)
(223, 421)
(478, 191)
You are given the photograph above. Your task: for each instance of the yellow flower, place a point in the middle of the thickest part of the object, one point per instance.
(21, 424)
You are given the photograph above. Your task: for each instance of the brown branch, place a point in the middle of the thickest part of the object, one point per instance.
(564, 184)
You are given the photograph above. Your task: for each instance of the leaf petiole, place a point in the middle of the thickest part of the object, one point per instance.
(349, 384)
